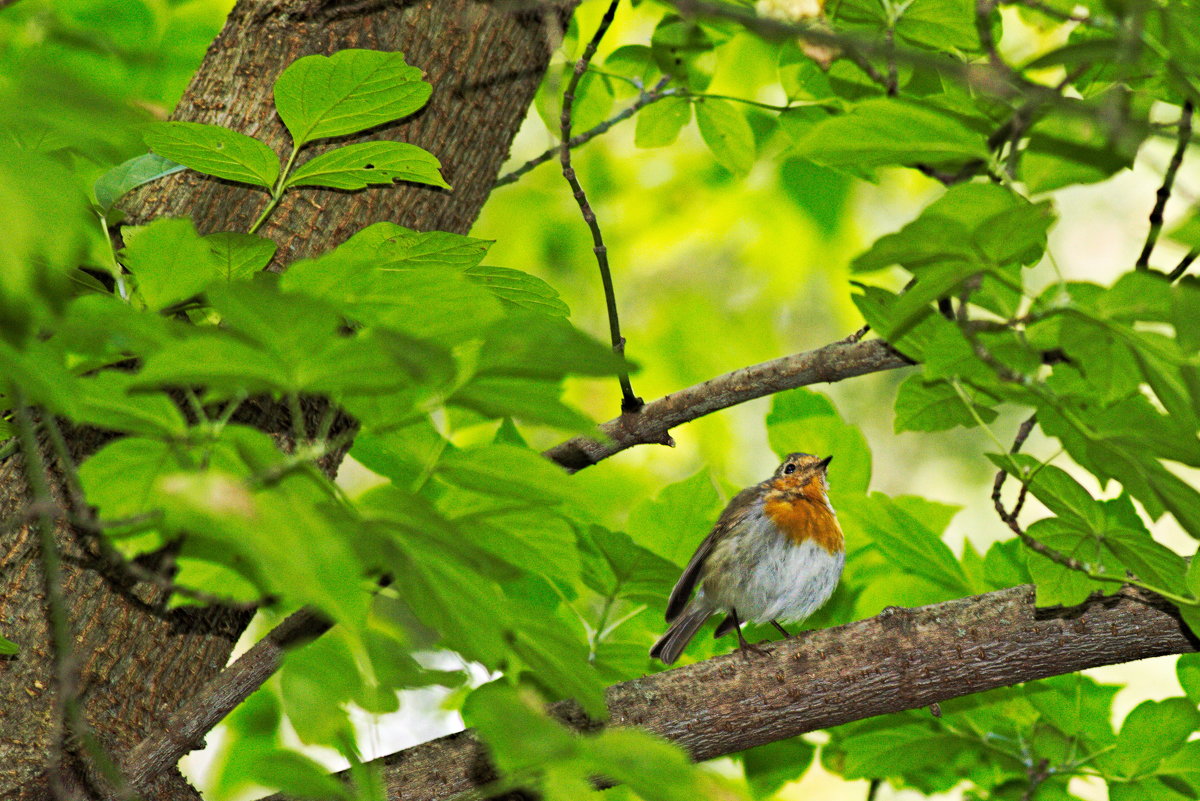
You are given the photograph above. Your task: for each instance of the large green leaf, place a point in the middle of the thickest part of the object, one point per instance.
(347, 92)
(215, 151)
(887, 131)
(673, 524)
(804, 420)
(727, 134)
(363, 164)
(170, 261)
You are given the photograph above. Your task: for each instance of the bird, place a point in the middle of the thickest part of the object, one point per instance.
(775, 554)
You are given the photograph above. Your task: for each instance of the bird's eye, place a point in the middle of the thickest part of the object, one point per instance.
(789, 468)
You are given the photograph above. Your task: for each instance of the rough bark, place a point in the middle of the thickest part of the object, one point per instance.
(652, 425)
(138, 662)
(901, 659)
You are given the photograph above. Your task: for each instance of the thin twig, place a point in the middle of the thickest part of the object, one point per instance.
(1164, 191)
(644, 99)
(1054, 555)
(1184, 263)
(629, 402)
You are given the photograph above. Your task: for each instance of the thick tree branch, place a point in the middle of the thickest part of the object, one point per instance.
(901, 659)
(653, 424)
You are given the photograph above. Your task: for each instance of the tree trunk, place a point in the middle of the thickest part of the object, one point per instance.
(137, 661)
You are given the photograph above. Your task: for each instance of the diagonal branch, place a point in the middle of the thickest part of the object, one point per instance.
(653, 424)
(901, 659)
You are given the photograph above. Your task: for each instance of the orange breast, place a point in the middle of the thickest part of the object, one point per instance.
(801, 519)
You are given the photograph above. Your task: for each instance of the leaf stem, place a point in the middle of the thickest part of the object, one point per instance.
(277, 192)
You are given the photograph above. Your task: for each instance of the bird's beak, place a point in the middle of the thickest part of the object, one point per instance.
(824, 463)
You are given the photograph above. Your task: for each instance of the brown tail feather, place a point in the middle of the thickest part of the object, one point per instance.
(671, 645)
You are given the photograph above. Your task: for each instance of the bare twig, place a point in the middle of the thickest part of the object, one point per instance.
(1164, 191)
(629, 402)
(1184, 263)
(832, 362)
(644, 99)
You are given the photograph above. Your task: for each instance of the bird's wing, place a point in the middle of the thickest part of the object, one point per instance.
(691, 574)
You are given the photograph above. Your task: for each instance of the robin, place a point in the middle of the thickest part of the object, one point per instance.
(775, 554)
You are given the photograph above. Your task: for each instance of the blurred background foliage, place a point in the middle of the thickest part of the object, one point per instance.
(720, 261)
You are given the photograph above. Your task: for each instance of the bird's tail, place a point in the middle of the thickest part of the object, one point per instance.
(683, 628)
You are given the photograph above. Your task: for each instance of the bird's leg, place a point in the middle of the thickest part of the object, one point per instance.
(746, 647)
(779, 628)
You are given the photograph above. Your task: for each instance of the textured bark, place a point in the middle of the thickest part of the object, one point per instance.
(138, 662)
(484, 62)
(900, 659)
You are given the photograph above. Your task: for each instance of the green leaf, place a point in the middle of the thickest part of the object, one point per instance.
(412, 282)
(1193, 576)
(105, 401)
(940, 24)
(298, 776)
(924, 405)
(674, 523)
(683, 49)
(519, 288)
(347, 92)
(8, 647)
(533, 400)
(170, 261)
(360, 165)
(617, 567)
(240, 256)
(659, 123)
(727, 134)
(530, 345)
(519, 735)
(559, 662)
(505, 471)
(973, 225)
(269, 537)
(119, 480)
(897, 527)
(805, 420)
(1061, 586)
(1151, 732)
(769, 767)
(885, 131)
(651, 767)
(129, 175)
(1187, 668)
(215, 151)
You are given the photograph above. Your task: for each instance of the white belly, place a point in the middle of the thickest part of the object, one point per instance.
(786, 583)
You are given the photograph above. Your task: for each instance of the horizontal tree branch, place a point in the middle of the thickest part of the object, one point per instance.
(900, 659)
(652, 425)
